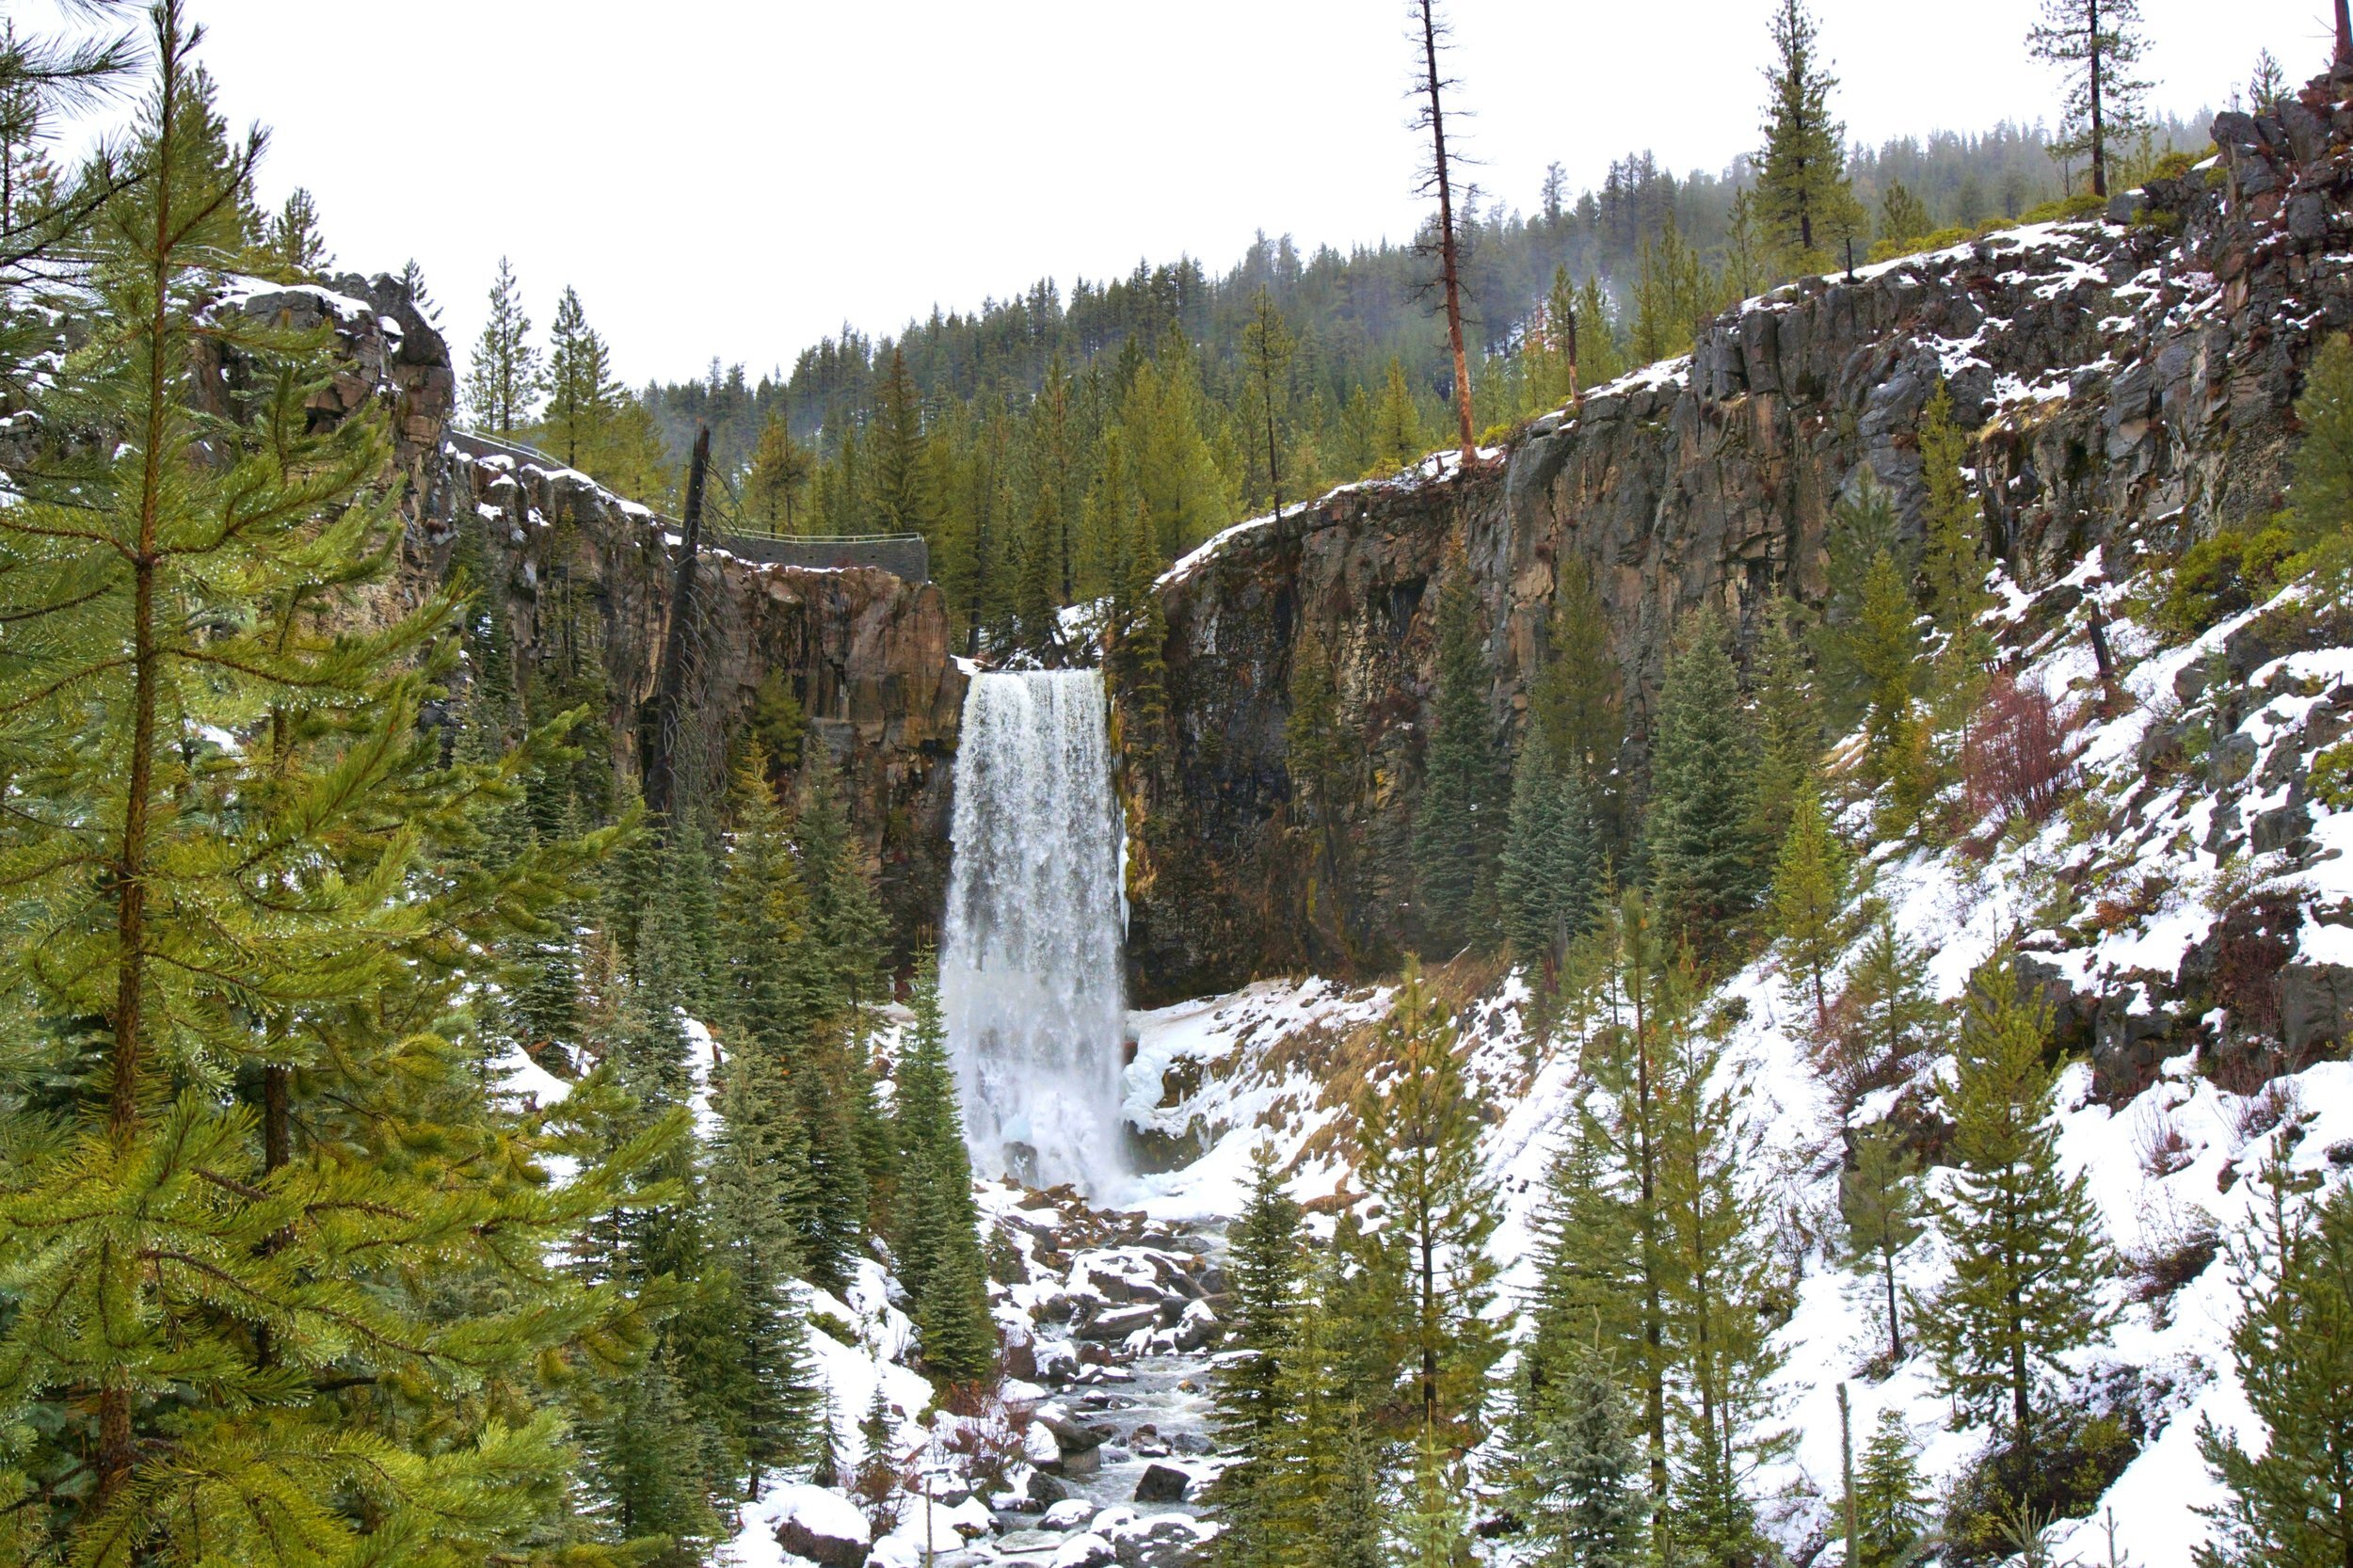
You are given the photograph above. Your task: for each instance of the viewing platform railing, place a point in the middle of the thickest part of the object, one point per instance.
(905, 556)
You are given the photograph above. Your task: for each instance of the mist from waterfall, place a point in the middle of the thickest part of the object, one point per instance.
(1029, 973)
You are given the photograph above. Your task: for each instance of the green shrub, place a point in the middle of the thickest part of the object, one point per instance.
(2332, 778)
(2219, 576)
(2067, 209)
(2074, 1460)
(1887, 250)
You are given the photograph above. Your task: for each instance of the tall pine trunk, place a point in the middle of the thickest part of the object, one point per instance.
(1448, 262)
(2099, 131)
(115, 1439)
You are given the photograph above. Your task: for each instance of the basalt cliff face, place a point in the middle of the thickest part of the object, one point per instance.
(864, 653)
(2129, 381)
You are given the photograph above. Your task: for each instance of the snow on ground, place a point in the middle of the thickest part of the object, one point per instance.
(2177, 1159)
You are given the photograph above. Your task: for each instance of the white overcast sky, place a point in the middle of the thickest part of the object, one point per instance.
(739, 177)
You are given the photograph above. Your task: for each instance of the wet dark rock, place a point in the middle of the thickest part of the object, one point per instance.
(1162, 1483)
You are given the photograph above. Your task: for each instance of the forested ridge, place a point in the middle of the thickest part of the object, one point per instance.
(1022, 438)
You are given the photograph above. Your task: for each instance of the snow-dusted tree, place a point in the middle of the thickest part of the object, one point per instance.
(502, 381)
(1578, 1484)
(1417, 1148)
(2291, 1503)
(1890, 1508)
(2027, 1257)
(1809, 903)
(1879, 1200)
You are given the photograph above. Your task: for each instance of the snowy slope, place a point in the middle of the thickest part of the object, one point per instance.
(2164, 1161)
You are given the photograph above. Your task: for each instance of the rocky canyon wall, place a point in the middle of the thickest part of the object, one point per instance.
(865, 653)
(2129, 382)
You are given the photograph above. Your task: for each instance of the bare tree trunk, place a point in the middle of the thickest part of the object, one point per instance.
(1570, 328)
(115, 1440)
(1273, 469)
(2344, 36)
(2099, 131)
(660, 750)
(1448, 260)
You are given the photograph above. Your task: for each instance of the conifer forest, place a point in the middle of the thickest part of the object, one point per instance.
(1660, 876)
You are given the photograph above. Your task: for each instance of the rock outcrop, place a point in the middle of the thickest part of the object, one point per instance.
(865, 653)
(2129, 381)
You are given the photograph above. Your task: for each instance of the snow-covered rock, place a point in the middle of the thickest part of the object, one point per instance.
(824, 1527)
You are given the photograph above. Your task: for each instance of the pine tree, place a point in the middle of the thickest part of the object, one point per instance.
(2023, 1235)
(1548, 879)
(1789, 721)
(583, 398)
(1863, 526)
(941, 1251)
(1888, 1018)
(877, 1462)
(905, 501)
(1672, 294)
(1417, 1151)
(291, 241)
(1803, 192)
(2293, 1345)
(756, 1178)
(258, 1206)
(1249, 1414)
(1885, 641)
(1717, 1271)
(2320, 496)
(1705, 866)
(1429, 91)
(1141, 653)
(776, 993)
(1037, 565)
(2096, 43)
(1891, 1511)
(1321, 1496)
(1603, 1261)
(1809, 901)
(1267, 349)
(1954, 558)
(1580, 1479)
(1879, 1198)
(1598, 359)
(1455, 820)
(845, 919)
(1903, 220)
(502, 383)
(1433, 1528)
(1165, 422)
(1576, 699)
(1396, 425)
(650, 1484)
(781, 472)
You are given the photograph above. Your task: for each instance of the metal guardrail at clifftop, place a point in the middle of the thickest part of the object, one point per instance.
(905, 556)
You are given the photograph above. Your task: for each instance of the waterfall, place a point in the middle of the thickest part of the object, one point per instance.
(1030, 974)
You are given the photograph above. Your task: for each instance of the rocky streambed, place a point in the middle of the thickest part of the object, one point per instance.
(1096, 1449)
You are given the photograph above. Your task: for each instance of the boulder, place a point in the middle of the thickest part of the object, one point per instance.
(1068, 1514)
(1074, 1436)
(1164, 1541)
(1085, 1550)
(821, 1525)
(1109, 1328)
(1162, 1483)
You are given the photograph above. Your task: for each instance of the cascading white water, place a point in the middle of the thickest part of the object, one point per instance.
(1029, 975)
